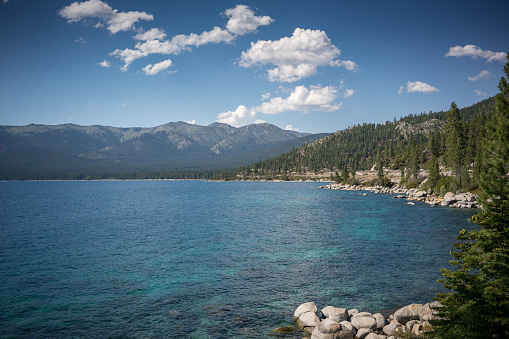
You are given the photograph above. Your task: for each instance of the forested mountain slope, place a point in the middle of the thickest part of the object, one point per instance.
(405, 143)
(73, 151)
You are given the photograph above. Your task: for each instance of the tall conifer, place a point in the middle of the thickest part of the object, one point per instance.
(478, 307)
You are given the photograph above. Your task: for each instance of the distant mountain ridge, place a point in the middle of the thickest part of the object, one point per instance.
(170, 147)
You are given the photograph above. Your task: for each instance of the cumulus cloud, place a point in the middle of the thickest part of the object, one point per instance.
(476, 52)
(291, 128)
(80, 41)
(295, 57)
(483, 75)
(417, 86)
(480, 93)
(348, 64)
(152, 34)
(104, 63)
(349, 93)
(161, 66)
(114, 20)
(240, 117)
(243, 21)
(314, 98)
(173, 46)
(192, 122)
(266, 96)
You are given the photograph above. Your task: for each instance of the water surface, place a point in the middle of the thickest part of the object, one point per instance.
(193, 259)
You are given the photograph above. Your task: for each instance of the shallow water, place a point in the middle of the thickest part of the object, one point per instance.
(193, 259)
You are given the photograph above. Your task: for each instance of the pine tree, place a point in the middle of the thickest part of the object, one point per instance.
(455, 142)
(479, 305)
(434, 171)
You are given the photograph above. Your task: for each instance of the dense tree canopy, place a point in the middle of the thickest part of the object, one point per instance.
(478, 306)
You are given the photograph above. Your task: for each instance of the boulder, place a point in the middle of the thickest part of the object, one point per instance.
(407, 313)
(347, 327)
(363, 333)
(326, 330)
(380, 320)
(409, 325)
(362, 314)
(284, 330)
(329, 329)
(335, 313)
(306, 307)
(391, 328)
(353, 311)
(417, 328)
(373, 336)
(427, 312)
(420, 194)
(449, 199)
(308, 321)
(364, 322)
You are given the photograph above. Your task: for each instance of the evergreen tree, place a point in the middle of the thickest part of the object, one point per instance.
(345, 174)
(455, 142)
(479, 305)
(434, 171)
(379, 166)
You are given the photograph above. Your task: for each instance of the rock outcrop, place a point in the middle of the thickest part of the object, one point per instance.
(461, 200)
(341, 323)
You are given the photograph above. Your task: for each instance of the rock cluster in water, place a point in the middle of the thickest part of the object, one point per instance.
(461, 200)
(341, 323)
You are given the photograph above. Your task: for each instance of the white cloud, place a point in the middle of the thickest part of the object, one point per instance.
(80, 41)
(243, 21)
(266, 96)
(348, 64)
(240, 117)
(349, 93)
(104, 63)
(483, 75)
(123, 104)
(161, 66)
(476, 52)
(192, 122)
(295, 57)
(173, 46)
(291, 128)
(301, 99)
(290, 73)
(480, 93)
(417, 86)
(152, 34)
(114, 20)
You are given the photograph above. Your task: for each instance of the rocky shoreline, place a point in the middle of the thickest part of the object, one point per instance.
(460, 200)
(341, 323)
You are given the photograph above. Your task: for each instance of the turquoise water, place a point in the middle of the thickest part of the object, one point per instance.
(192, 259)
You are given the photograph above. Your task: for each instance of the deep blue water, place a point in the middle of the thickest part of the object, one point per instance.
(192, 259)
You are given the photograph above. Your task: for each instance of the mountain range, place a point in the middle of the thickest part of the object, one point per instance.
(32, 150)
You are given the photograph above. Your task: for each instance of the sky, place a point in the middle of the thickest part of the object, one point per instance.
(310, 66)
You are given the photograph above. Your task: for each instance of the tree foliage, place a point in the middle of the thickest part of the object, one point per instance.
(478, 306)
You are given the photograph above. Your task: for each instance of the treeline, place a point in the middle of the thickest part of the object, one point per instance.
(130, 175)
(422, 141)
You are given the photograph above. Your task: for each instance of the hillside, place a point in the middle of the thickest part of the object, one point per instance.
(398, 144)
(73, 151)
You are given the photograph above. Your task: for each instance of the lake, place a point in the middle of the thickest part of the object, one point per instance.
(196, 259)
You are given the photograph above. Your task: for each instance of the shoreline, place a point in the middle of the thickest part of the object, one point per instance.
(461, 200)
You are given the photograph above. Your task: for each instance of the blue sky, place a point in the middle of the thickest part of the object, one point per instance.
(313, 66)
